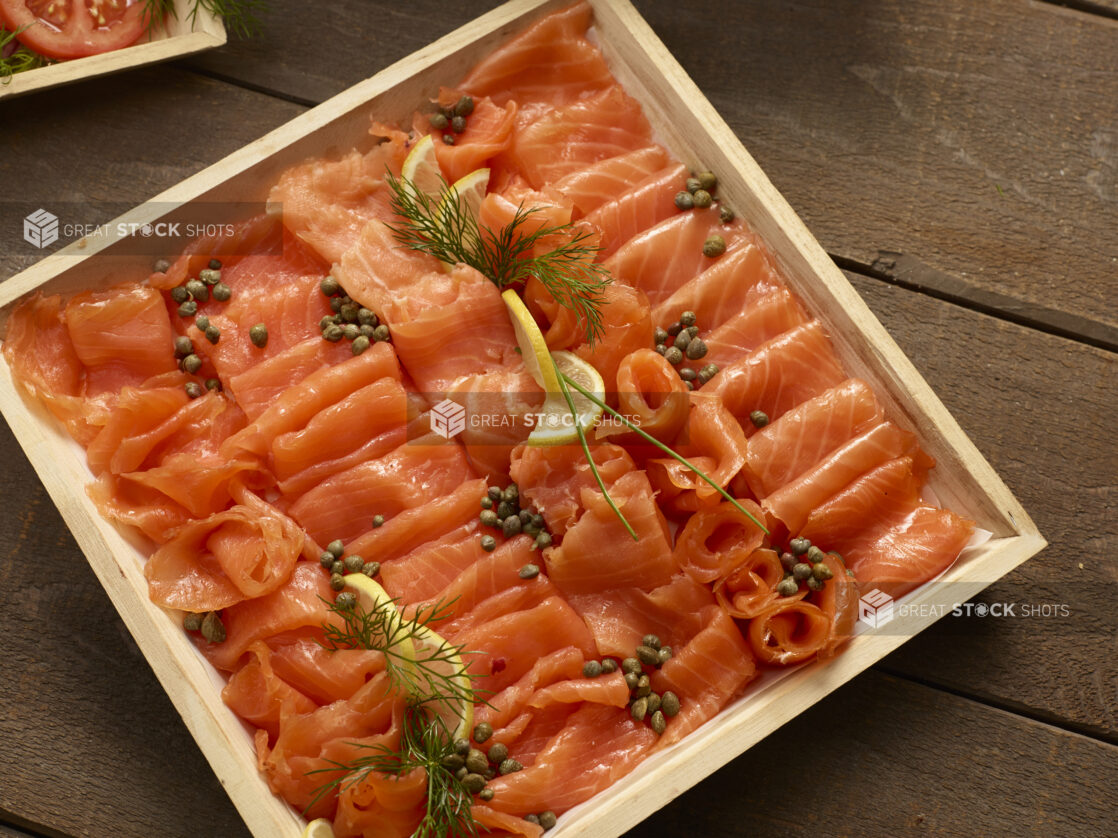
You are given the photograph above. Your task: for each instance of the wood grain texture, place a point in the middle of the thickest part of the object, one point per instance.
(7, 831)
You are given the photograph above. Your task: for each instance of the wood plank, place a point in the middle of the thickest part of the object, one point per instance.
(984, 154)
(8, 831)
(931, 764)
(1041, 408)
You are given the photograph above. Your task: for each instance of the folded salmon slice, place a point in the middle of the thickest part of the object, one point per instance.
(643, 206)
(323, 675)
(257, 387)
(715, 541)
(601, 182)
(651, 395)
(502, 707)
(488, 133)
(764, 317)
(751, 588)
(260, 696)
(426, 570)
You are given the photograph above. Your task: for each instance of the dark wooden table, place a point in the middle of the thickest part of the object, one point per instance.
(959, 160)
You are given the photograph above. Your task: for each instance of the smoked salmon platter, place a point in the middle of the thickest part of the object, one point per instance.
(505, 456)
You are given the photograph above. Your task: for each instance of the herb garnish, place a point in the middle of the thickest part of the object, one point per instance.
(450, 232)
(239, 16)
(20, 60)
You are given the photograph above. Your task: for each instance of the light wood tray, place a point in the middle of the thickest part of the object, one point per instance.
(176, 38)
(694, 132)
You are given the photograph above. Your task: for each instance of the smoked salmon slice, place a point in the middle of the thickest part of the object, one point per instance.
(643, 206)
(601, 182)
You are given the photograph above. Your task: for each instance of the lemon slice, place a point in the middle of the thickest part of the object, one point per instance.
(319, 828)
(537, 357)
(440, 659)
(469, 191)
(371, 596)
(421, 167)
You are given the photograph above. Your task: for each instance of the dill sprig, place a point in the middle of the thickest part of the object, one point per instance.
(239, 16)
(566, 380)
(424, 743)
(449, 231)
(22, 59)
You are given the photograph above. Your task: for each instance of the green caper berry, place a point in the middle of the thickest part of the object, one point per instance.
(378, 521)
(465, 106)
(222, 292)
(337, 581)
(498, 753)
(631, 665)
(213, 384)
(674, 329)
(644, 686)
(354, 563)
(183, 346)
(647, 655)
(665, 655)
(638, 709)
(473, 783)
(609, 666)
(482, 732)
(543, 540)
(707, 180)
(371, 569)
(821, 572)
(663, 350)
(192, 621)
(683, 201)
(489, 518)
(327, 559)
(336, 304)
(458, 124)
(815, 584)
(179, 294)
(714, 246)
(452, 762)
(329, 286)
(759, 418)
(591, 669)
(660, 335)
(202, 322)
(161, 266)
(350, 331)
(213, 334)
(485, 794)
(509, 766)
(688, 319)
(488, 543)
(477, 761)
(674, 356)
(511, 526)
(787, 587)
(345, 600)
(360, 344)
(212, 628)
(505, 509)
(815, 555)
(258, 334)
(381, 333)
(651, 640)
(548, 820)
(701, 198)
(653, 702)
(687, 374)
(799, 546)
(209, 276)
(801, 571)
(669, 703)
(337, 547)
(696, 349)
(337, 566)
(658, 722)
(462, 748)
(487, 502)
(529, 571)
(366, 317)
(191, 363)
(693, 184)
(439, 121)
(188, 308)
(532, 818)
(333, 333)
(631, 679)
(787, 561)
(448, 139)
(725, 215)
(681, 340)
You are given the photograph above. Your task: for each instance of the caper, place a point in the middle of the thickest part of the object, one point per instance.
(337, 566)
(653, 702)
(326, 321)
(648, 655)
(258, 334)
(222, 292)
(693, 184)
(505, 509)
(498, 753)
(336, 304)
(473, 783)
(659, 336)
(801, 571)
(674, 329)
(665, 655)
(461, 773)
(821, 572)
(349, 312)
(462, 748)
(532, 818)
(327, 559)
(787, 561)
(351, 331)
(658, 722)
(371, 569)
(183, 346)
(489, 518)
(631, 665)
(360, 344)
(209, 276)
(644, 686)
(179, 294)
(451, 762)
(673, 356)
(815, 584)
(191, 363)
(799, 546)
(669, 703)
(464, 107)
(213, 334)
(708, 372)
(188, 309)
(725, 214)
(354, 563)
(661, 349)
(192, 621)
(548, 820)
(701, 198)
(682, 339)
(485, 794)
(688, 319)
(696, 349)
(787, 587)
(213, 384)
(337, 581)
(477, 761)
(543, 540)
(193, 390)
(690, 385)
(494, 493)
(202, 322)
(333, 333)
(448, 139)
(684, 201)
(366, 317)
(439, 121)
(631, 679)
(814, 554)
(161, 266)
(759, 418)
(329, 286)
(197, 290)
(529, 571)
(591, 669)
(707, 180)
(482, 732)
(509, 766)
(378, 521)
(714, 246)
(381, 333)
(488, 543)
(458, 124)
(346, 599)
(609, 665)
(511, 526)
(687, 374)
(638, 709)
(212, 628)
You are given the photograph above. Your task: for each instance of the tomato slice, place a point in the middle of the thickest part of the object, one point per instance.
(74, 28)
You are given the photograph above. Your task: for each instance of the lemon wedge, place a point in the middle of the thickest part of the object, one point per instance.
(319, 828)
(468, 191)
(421, 167)
(556, 424)
(371, 596)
